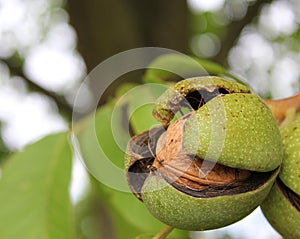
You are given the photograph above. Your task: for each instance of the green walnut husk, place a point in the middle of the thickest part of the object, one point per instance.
(209, 166)
(201, 212)
(282, 206)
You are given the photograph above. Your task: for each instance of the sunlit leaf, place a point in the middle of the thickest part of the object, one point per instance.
(173, 67)
(34, 194)
(177, 66)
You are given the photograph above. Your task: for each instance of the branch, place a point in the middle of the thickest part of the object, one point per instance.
(282, 107)
(63, 107)
(235, 30)
(163, 233)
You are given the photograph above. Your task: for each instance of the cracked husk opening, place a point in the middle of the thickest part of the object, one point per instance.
(293, 198)
(159, 151)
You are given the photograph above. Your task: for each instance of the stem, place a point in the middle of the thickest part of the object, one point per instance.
(163, 233)
(282, 107)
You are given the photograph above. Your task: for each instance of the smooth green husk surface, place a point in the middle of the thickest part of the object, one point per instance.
(290, 173)
(237, 130)
(182, 211)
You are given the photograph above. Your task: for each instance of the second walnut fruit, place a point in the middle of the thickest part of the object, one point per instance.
(213, 160)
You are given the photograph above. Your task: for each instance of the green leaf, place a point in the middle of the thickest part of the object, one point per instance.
(97, 219)
(129, 216)
(173, 67)
(138, 104)
(34, 195)
(102, 141)
(170, 66)
(105, 160)
(102, 138)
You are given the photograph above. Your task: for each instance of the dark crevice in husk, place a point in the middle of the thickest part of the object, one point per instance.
(137, 175)
(144, 144)
(193, 100)
(256, 180)
(142, 153)
(142, 148)
(198, 98)
(293, 197)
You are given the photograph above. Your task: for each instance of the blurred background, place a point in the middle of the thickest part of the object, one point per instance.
(47, 47)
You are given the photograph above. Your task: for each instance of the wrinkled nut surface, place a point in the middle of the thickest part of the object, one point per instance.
(214, 163)
(282, 206)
